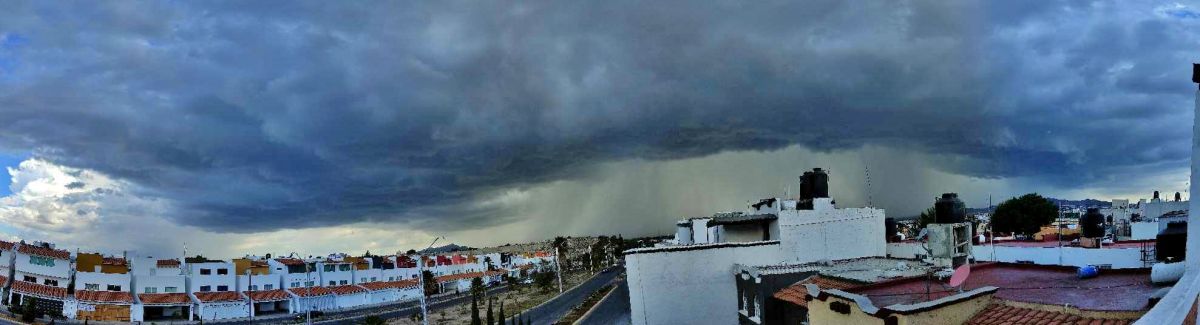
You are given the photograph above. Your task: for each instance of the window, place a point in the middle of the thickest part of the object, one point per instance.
(49, 282)
(311, 283)
(30, 279)
(222, 271)
(205, 271)
(373, 279)
(253, 287)
(91, 287)
(151, 290)
(295, 284)
(222, 288)
(41, 260)
(363, 280)
(328, 268)
(114, 287)
(332, 283)
(344, 282)
(170, 289)
(205, 288)
(344, 267)
(391, 278)
(268, 287)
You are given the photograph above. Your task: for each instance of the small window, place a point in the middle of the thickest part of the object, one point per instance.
(295, 284)
(91, 286)
(205, 271)
(328, 268)
(49, 282)
(222, 288)
(311, 283)
(362, 280)
(253, 287)
(30, 279)
(344, 267)
(205, 288)
(268, 287)
(151, 290)
(114, 288)
(222, 271)
(170, 289)
(344, 282)
(373, 279)
(332, 283)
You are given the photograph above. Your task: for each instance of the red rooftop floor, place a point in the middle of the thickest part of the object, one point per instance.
(1113, 290)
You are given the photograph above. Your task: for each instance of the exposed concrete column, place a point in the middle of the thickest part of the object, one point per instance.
(1193, 238)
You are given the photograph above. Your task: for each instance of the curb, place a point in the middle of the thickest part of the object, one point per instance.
(598, 303)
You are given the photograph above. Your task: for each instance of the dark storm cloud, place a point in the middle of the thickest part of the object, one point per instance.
(257, 116)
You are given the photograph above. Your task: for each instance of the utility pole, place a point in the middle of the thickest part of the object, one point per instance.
(421, 277)
(249, 284)
(308, 294)
(558, 265)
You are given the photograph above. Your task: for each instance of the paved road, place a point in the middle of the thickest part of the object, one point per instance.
(558, 307)
(613, 310)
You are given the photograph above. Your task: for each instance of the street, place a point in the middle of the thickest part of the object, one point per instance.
(614, 310)
(554, 309)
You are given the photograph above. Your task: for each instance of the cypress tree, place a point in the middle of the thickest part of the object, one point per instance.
(502, 320)
(475, 312)
(490, 320)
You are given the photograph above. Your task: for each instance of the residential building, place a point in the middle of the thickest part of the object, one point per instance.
(7, 258)
(758, 285)
(259, 284)
(333, 272)
(160, 289)
(103, 290)
(212, 285)
(41, 273)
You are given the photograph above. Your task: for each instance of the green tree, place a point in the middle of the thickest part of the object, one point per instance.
(477, 288)
(1024, 215)
(431, 286)
(501, 318)
(544, 280)
(926, 217)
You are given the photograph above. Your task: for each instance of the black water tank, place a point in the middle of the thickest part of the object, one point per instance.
(820, 183)
(806, 186)
(1155, 195)
(1178, 197)
(1196, 73)
(889, 229)
(949, 209)
(1171, 242)
(1091, 224)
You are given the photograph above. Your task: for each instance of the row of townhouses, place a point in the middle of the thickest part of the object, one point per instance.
(88, 286)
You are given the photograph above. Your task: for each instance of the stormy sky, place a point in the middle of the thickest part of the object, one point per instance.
(252, 127)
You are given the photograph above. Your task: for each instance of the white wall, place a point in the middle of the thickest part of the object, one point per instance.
(61, 270)
(223, 310)
(336, 275)
(213, 279)
(259, 280)
(1143, 230)
(322, 303)
(160, 283)
(825, 233)
(1120, 258)
(371, 275)
(700, 232)
(102, 280)
(690, 287)
(353, 300)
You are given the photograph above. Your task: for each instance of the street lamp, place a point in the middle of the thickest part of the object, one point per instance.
(421, 281)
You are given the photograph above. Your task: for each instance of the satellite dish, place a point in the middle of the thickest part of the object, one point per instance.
(960, 275)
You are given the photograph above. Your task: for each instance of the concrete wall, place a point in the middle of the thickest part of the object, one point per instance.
(1143, 230)
(692, 286)
(951, 313)
(353, 300)
(368, 275)
(337, 276)
(160, 283)
(61, 270)
(260, 281)
(321, 303)
(700, 232)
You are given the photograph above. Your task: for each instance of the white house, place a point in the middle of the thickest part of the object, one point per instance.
(294, 272)
(160, 289)
(335, 272)
(41, 273)
(691, 282)
(212, 286)
(7, 256)
(102, 290)
(393, 291)
(313, 298)
(256, 281)
(350, 296)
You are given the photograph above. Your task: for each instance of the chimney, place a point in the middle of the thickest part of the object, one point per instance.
(1193, 225)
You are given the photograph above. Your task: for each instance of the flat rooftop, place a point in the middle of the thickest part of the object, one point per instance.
(866, 269)
(1046, 244)
(1112, 290)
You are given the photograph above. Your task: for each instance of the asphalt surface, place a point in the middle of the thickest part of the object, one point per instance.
(613, 310)
(556, 308)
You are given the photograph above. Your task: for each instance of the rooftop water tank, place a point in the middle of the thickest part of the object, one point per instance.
(1171, 242)
(949, 209)
(1091, 224)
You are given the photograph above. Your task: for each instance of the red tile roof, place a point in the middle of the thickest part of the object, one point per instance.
(164, 298)
(796, 293)
(268, 295)
(347, 289)
(1003, 314)
(290, 261)
(43, 251)
(113, 261)
(39, 290)
(168, 263)
(470, 275)
(112, 297)
(315, 291)
(6, 246)
(222, 296)
(3, 280)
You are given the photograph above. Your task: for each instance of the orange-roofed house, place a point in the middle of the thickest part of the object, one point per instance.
(102, 289)
(393, 291)
(7, 252)
(41, 273)
(213, 287)
(256, 280)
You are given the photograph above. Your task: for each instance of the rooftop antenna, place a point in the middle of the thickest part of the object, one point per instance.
(867, 172)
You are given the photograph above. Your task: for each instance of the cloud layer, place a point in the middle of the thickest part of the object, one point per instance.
(248, 118)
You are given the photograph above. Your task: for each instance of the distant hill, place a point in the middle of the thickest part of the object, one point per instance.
(445, 249)
(1084, 203)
